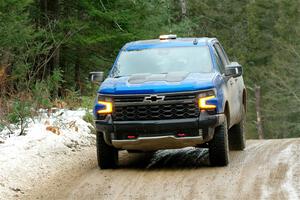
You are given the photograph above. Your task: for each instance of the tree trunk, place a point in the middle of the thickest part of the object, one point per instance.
(56, 16)
(77, 72)
(183, 8)
(5, 72)
(258, 112)
(50, 11)
(44, 12)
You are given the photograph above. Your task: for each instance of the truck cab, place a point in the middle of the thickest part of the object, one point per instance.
(170, 93)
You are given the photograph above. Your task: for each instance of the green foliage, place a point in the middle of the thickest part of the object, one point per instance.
(87, 101)
(19, 113)
(1, 127)
(73, 98)
(45, 91)
(41, 95)
(88, 117)
(54, 82)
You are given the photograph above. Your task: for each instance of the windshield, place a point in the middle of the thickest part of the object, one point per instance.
(163, 60)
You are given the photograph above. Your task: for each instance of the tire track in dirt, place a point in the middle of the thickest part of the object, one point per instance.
(267, 169)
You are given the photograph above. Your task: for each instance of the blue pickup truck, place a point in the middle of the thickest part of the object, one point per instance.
(170, 93)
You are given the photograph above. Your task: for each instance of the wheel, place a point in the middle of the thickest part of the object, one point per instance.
(107, 156)
(236, 135)
(218, 146)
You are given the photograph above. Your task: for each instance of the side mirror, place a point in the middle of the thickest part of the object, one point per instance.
(97, 77)
(234, 69)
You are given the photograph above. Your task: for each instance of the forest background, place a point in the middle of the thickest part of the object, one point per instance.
(48, 48)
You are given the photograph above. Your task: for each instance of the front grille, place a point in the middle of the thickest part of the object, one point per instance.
(168, 97)
(180, 97)
(129, 99)
(179, 106)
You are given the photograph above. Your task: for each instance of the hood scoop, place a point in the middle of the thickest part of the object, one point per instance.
(169, 77)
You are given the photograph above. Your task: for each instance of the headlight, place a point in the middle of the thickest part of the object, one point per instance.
(207, 100)
(104, 105)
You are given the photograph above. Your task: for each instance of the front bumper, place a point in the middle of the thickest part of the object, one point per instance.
(159, 134)
(158, 142)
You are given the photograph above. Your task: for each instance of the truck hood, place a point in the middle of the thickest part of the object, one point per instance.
(157, 83)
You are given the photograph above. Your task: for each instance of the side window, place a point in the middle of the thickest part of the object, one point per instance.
(219, 62)
(224, 53)
(221, 53)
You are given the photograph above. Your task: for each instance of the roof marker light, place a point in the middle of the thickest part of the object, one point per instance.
(167, 37)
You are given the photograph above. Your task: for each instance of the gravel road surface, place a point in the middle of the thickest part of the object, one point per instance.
(266, 169)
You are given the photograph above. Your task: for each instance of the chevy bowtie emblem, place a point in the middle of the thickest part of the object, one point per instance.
(154, 98)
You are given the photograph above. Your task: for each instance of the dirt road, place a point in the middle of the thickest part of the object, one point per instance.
(268, 169)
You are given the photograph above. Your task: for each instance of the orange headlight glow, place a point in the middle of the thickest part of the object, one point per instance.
(203, 105)
(108, 107)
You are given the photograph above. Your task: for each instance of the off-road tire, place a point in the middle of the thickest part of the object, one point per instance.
(107, 155)
(236, 136)
(218, 146)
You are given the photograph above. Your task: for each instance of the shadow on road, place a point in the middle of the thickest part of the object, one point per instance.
(174, 158)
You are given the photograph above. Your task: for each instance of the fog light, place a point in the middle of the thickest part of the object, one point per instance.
(131, 136)
(182, 134)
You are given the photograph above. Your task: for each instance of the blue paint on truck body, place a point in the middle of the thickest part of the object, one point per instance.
(174, 100)
(193, 82)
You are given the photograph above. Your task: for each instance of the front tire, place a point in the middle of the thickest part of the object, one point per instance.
(218, 146)
(237, 138)
(107, 156)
